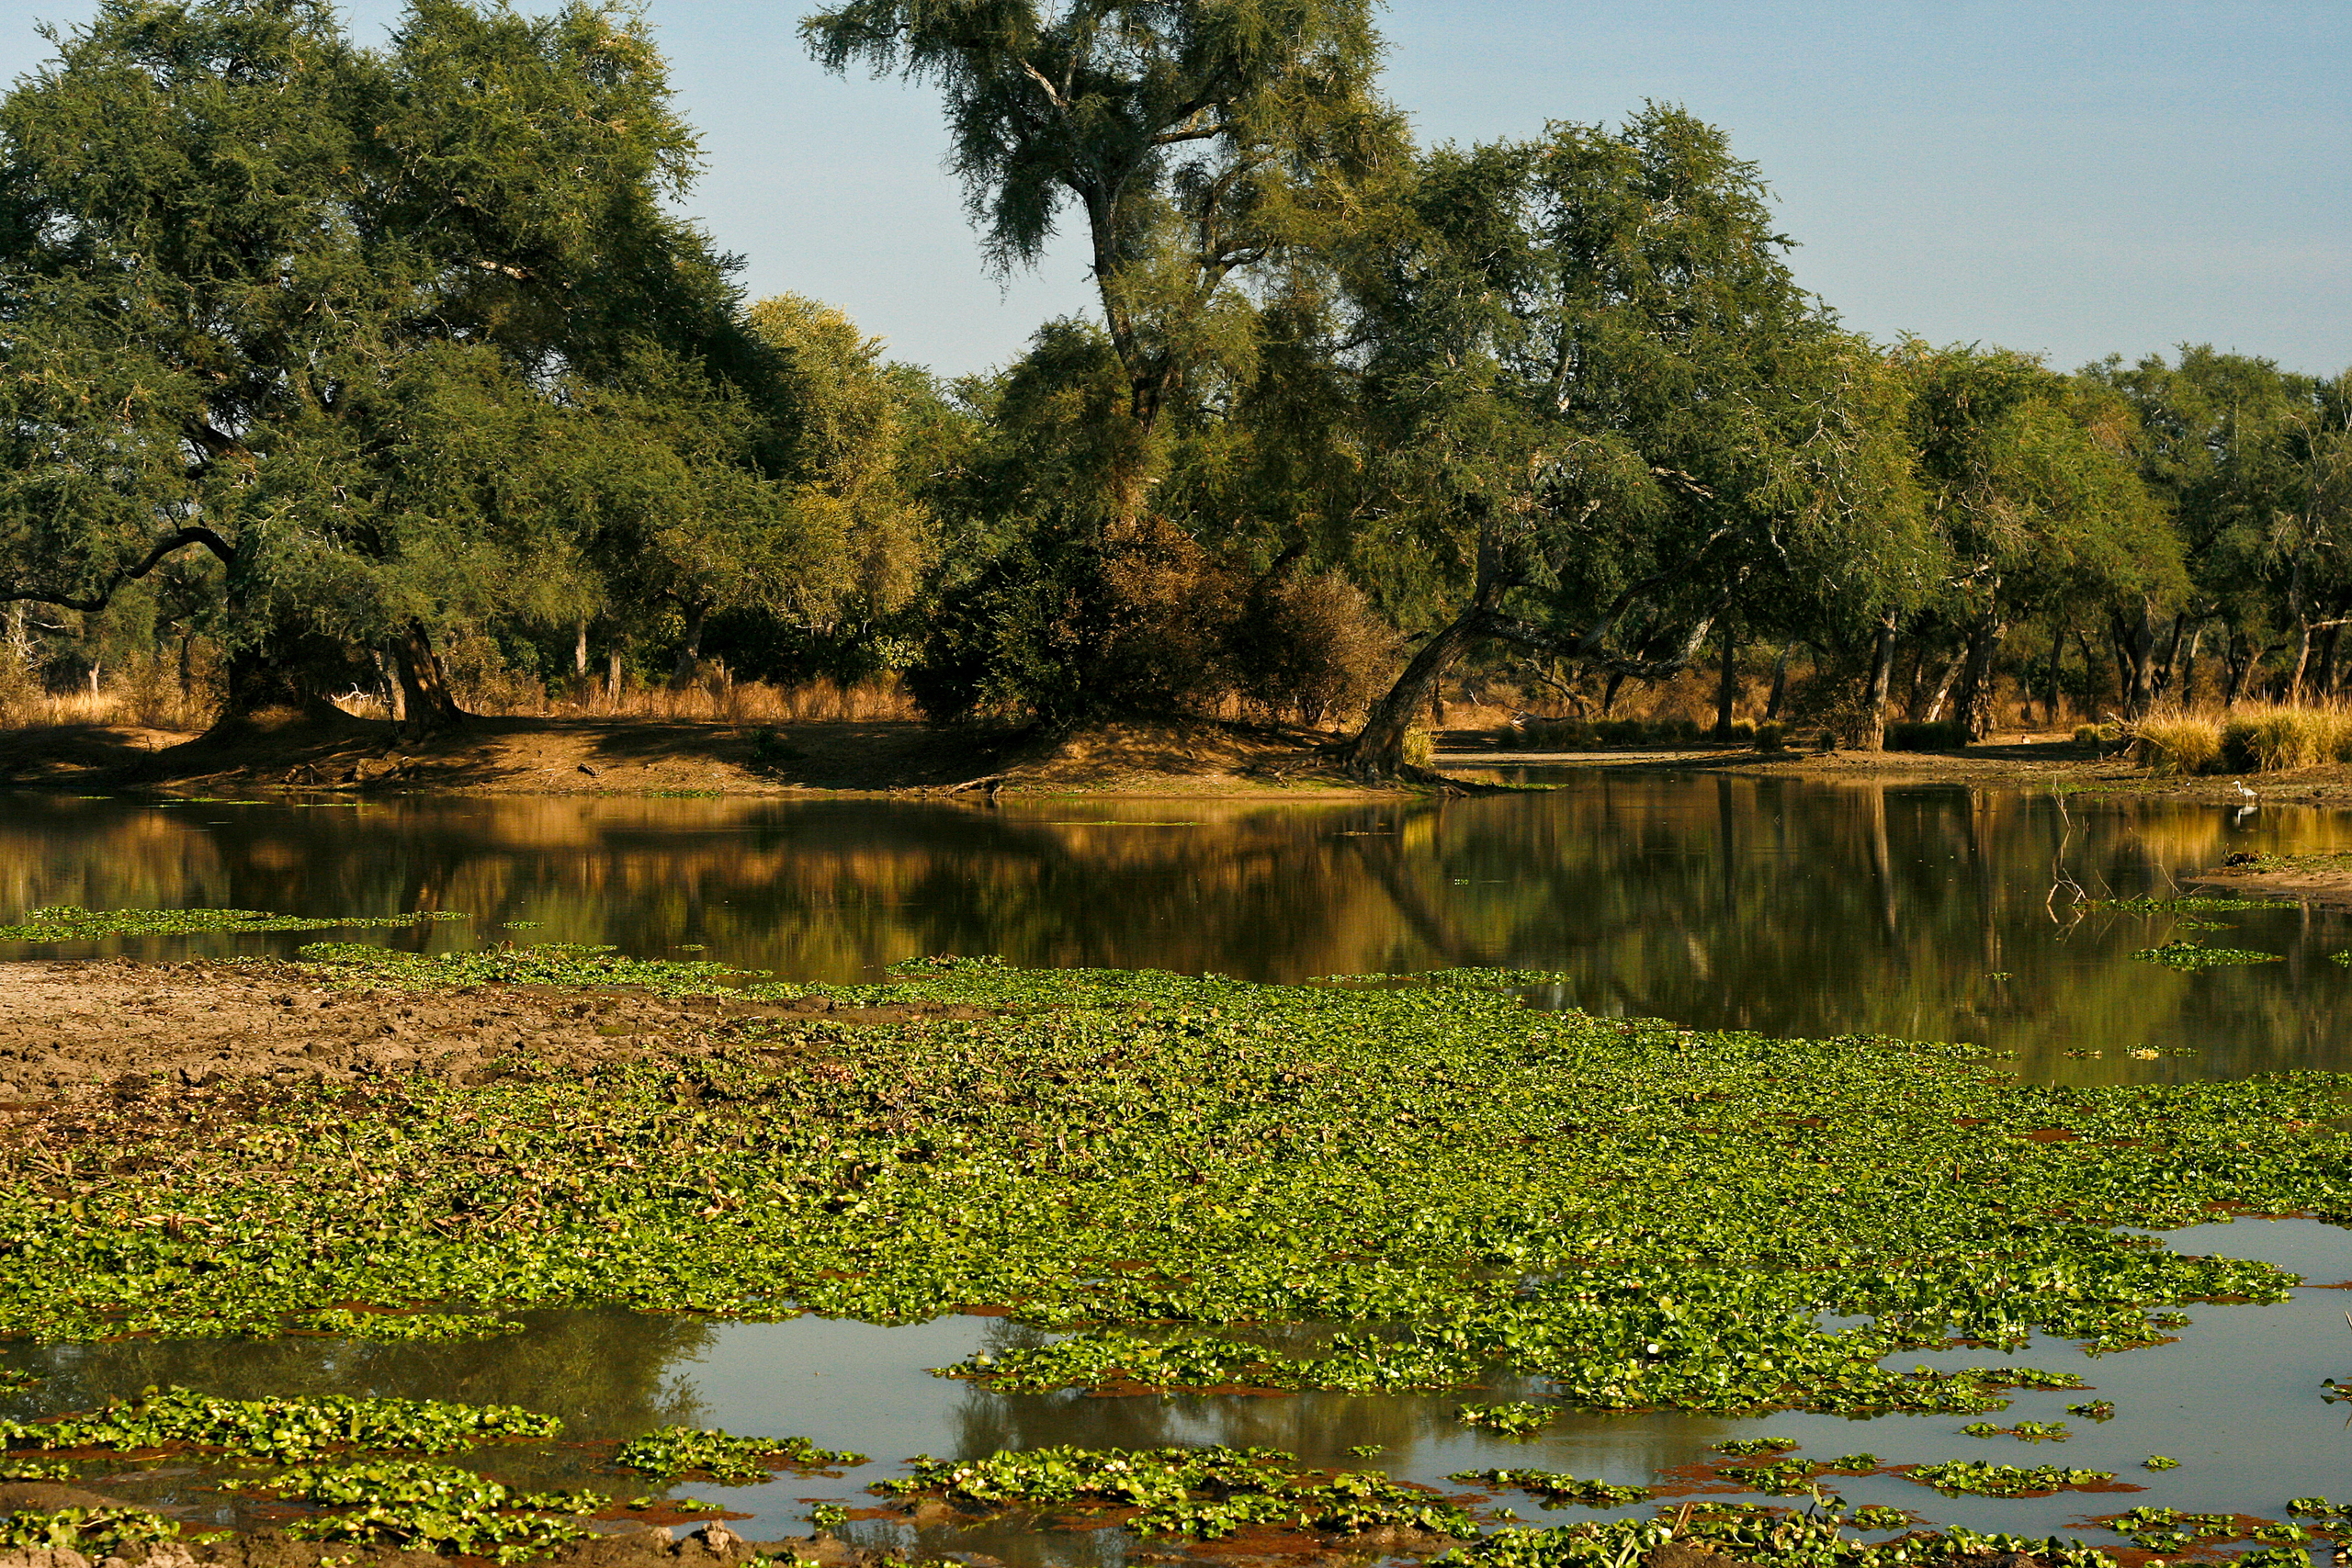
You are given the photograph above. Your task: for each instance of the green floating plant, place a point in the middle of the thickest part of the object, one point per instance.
(1555, 1487)
(673, 1451)
(436, 1328)
(285, 1428)
(2002, 1480)
(65, 922)
(411, 1506)
(1514, 1420)
(2186, 954)
(1204, 1493)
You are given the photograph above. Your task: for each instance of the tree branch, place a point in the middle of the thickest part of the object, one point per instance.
(169, 544)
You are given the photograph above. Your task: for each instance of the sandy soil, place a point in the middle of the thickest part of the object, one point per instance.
(581, 756)
(124, 1031)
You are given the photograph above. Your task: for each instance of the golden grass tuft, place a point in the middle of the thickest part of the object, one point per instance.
(2177, 743)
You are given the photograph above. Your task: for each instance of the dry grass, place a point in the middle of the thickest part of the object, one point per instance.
(2265, 738)
(139, 707)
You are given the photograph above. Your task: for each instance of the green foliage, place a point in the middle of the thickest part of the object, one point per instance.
(1555, 1487)
(2183, 954)
(63, 922)
(1748, 1446)
(1643, 1215)
(1771, 1538)
(94, 1532)
(431, 1507)
(2177, 906)
(2159, 1461)
(2095, 1409)
(410, 1328)
(2002, 1480)
(545, 963)
(669, 1452)
(283, 1429)
(1516, 1420)
(1202, 1493)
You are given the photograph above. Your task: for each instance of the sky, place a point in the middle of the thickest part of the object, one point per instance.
(2077, 180)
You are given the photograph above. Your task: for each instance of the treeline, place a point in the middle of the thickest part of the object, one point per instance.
(326, 359)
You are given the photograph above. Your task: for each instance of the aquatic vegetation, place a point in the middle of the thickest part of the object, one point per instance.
(2182, 954)
(825, 1515)
(15, 1469)
(2169, 1529)
(2159, 1461)
(1745, 1445)
(1555, 1487)
(406, 1328)
(1981, 1480)
(65, 922)
(673, 1451)
(94, 1532)
(283, 1429)
(2096, 1409)
(1768, 1537)
(2023, 1431)
(1643, 1215)
(1514, 1420)
(1199, 1493)
(2179, 906)
(431, 1507)
(1877, 1517)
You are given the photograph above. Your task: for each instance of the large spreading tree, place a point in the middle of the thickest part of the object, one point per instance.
(313, 312)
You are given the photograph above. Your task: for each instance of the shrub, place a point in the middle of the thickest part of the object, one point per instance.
(2269, 739)
(1772, 737)
(1314, 646)
(1420, 747)
(1908, 736)
(2177, 744)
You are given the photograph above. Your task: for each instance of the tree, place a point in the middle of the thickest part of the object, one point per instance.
(1604, 403)
(1199, 140)
(2029, 480)
(278, 299)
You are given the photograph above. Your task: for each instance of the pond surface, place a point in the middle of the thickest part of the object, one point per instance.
(1783, 907)
(1926, 912)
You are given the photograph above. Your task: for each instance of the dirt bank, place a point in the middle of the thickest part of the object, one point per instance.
(2020, 760)
(587, 756)
(2324, 877)
(118, 1030)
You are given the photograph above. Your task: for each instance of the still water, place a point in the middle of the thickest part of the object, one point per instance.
(1779, 906)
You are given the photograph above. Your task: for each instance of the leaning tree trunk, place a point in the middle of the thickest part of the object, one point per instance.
(1874, 691)
(1378, 749)
(423, 689)
(1780, 682)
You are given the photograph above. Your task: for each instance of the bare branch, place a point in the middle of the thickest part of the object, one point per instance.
(169, 544)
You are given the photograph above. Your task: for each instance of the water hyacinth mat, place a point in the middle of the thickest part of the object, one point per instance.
(1168, 1173)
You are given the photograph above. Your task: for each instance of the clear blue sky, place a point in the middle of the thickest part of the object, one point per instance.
(2077, 179)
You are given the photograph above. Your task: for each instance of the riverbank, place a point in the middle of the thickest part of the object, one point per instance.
(603, 756)
(1160, 759)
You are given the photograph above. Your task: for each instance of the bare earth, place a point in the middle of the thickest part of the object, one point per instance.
(588, 756)
(129, 1031)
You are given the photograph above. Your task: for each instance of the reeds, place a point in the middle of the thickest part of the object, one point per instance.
(2269, 739)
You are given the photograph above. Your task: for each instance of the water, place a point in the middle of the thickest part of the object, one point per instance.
(1928, 911)
(1789, 908)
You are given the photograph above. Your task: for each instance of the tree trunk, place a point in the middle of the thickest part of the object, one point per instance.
(2236, 660)
(690, 650)
(388, 682)
(425, 693)
(2188, 668)
(580, 647)
(1973, 708)
(1935, 709)
(1378, 750)
(1726, 682)
(2135, 650)
(613, 675)
(1609, 692)
(2163, 682)
(1780, 682)
(1874, 691)
(2050, 715)
(2323, 684)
